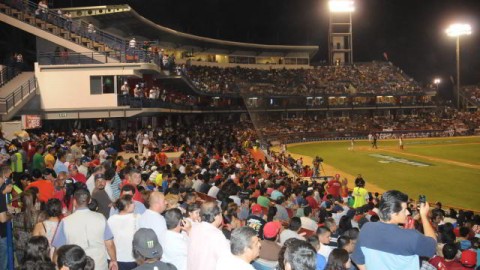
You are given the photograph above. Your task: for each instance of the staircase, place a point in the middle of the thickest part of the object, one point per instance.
(54, 27)
(16, 93)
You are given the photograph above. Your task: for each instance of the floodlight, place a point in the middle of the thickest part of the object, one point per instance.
(437, 80)
(338, 6)
(459, 29)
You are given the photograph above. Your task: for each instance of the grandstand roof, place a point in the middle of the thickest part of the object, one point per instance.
(127, 23)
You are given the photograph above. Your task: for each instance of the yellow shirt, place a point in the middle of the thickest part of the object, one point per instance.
(49, 161)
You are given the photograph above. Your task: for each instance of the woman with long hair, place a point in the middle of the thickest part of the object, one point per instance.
(73, 257)
(37, 251)
(48, 227)
(24, 222)
(338, 260)
(123, 227)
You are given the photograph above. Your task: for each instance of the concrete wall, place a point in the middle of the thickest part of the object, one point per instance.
(68, 86)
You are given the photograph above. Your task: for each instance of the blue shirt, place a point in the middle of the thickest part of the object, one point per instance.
(387, 246)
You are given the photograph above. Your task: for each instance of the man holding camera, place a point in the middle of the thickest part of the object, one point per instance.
(384, 245)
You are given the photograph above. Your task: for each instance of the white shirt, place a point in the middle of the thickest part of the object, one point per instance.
(91, 183)
(196, 184)
(309, 224)
(123, 228)
(213, 191)
(287, 234)
(207, 245)
(325, 250)
(233, 262)
(95, 140)
(176, 252)
(156, 222)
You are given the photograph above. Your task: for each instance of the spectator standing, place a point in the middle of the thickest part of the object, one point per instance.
(129, 190)
(360, 194)
(176, 251)
(153, 219)
(101, 196)
(49, 226)
(383, 245)
(46, 189)
(207, 242)
(148, 251)
(123, 226)
(89, 230)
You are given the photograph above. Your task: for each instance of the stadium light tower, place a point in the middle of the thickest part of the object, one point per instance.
(457, 30)
(437, 81)
(340, 49)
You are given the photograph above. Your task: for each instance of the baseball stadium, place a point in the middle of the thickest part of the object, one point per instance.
(265, 135)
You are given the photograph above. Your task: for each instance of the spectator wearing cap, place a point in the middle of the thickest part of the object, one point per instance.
(245, 247)
(148, 252)
(270, 247)
(207, 242)
(84, 164)
(101, 196)
(153, 219)
(176, 251)
(334, 186)
(449, 259)
(46, 189)
(91, 180)
(89, 230)
(129, 190)
(75, 174)
(256, 220)
(292, 232)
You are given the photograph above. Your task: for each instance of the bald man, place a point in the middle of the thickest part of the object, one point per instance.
(152, 218)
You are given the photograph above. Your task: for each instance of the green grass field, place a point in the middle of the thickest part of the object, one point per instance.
(444, 169)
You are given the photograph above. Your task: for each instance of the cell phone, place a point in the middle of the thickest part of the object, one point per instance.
(422, 199)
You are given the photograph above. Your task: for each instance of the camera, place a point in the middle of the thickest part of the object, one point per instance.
(422, 199)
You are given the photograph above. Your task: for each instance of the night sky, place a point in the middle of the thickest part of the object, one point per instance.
(411, 32)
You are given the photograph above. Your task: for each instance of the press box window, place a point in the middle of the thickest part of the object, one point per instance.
(102, 85)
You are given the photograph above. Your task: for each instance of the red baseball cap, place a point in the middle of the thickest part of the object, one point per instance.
(271, 229)
(469, 258)
(257, 209)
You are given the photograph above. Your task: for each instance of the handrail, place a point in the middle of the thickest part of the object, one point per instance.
(10, 101)
(8, 73)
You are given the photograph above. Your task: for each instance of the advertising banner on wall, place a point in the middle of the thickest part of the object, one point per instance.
(31, 121)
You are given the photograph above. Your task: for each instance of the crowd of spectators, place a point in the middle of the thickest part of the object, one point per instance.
(77, 202)
(376, 78)
(424, 123)
(473, 93)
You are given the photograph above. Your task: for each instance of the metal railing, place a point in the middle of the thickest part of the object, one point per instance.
(8, 73)
(9, 102)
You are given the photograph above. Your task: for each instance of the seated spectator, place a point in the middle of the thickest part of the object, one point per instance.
(270, 248)
(338, 260)
(297, 255)
(256, 220)
(245, 247)
(321, 261)
(323, 234)
(307, 220)
(292, 232)
(148, 252)
(449, 259)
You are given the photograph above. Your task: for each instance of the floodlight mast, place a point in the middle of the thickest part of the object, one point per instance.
(340, 47)
(457, 30)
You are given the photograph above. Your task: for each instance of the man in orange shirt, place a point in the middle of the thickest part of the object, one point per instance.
(46, 189)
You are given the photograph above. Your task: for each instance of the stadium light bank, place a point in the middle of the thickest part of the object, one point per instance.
(341, 6)
(457, 30)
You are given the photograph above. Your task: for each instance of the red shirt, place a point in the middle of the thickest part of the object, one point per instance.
(333, 187)
(137, 196)
(79, 177)
(312, 202)
(46, 189)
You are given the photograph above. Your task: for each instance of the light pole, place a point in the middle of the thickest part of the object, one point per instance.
(340, 47)
(457, 30)
(437, 81)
